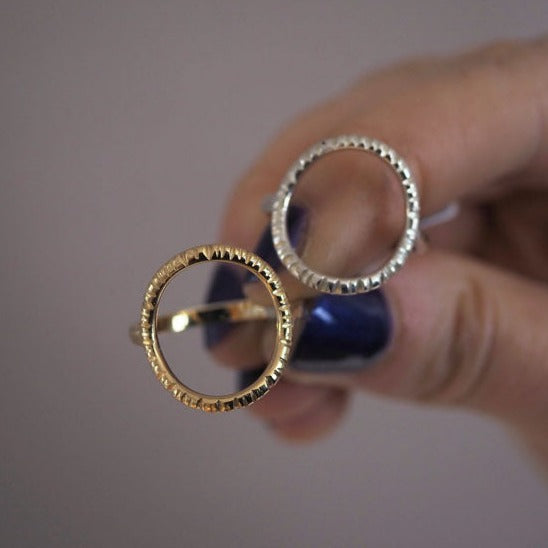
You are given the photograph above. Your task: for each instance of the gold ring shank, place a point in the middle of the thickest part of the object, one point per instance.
(235, 311)
(151, 323)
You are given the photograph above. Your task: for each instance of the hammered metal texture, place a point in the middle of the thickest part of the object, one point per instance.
(149, 334)
(406, 244)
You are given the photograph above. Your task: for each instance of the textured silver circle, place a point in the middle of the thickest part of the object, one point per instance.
(288, 255)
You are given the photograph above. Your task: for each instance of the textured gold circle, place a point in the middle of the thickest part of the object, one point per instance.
(149, 334)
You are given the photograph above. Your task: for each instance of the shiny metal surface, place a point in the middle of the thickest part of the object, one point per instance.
(149, 328)
(330, 284)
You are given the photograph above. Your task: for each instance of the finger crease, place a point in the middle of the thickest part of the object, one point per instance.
(469, 355)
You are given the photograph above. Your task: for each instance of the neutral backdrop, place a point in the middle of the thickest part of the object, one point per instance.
(123, 127)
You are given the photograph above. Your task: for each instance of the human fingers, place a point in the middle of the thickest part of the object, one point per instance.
(316, 422)
(465, 123)
(237, 345)
(450, 158)
(298, 412)
(265, 174)
(427, 122)
(468, 334)
(460, 332)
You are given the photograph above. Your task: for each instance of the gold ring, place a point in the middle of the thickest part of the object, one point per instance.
(150, 325)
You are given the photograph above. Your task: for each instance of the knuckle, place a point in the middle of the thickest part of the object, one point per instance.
(473, 340)
(467, 357)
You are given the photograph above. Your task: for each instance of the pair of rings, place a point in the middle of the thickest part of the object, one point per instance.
(146, 333)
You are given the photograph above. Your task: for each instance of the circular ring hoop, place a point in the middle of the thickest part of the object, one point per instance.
(406, 244)
(149, 327)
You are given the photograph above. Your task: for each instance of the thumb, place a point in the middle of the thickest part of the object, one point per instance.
(463, 333)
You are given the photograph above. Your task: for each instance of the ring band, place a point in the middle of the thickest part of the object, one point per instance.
(221, 311)
(329, 284)
(149, 327)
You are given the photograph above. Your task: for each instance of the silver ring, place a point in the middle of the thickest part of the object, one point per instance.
(406, 244)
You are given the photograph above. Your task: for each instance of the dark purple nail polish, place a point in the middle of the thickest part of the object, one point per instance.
(225, 285)
(296, 227)
(248, 376)
(343, 333)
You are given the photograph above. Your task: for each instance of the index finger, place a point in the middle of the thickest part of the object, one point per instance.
(475, 120)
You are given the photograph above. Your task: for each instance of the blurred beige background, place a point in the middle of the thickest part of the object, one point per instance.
(123, 127)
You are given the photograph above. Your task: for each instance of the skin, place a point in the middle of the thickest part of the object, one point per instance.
(470, 312)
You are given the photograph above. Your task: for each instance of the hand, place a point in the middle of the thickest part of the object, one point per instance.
(463, 323)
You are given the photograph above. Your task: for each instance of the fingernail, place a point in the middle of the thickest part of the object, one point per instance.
(343, 334)
(296, 228)
(248, 376)
(225, 285)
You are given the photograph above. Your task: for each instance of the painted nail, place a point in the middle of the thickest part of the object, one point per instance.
(248, 376)
(343, 334)
(297, 222)
(225, 285)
